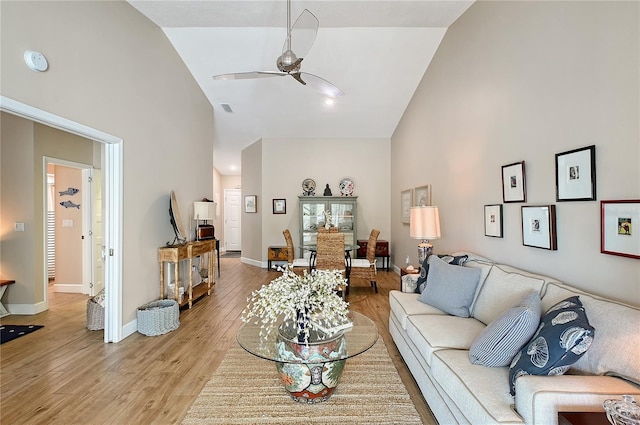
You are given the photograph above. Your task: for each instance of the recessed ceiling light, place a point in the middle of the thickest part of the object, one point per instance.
(328, 101)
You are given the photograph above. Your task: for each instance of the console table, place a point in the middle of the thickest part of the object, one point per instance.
(382, 251)
(190, 250)
(4, 284)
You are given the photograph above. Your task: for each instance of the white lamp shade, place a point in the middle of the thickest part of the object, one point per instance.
(204, 210)
(424, 223)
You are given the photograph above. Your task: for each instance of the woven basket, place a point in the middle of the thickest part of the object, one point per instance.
(95, 315)
(158, 317)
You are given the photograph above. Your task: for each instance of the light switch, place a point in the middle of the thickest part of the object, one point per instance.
(67, 223)
(18, 227)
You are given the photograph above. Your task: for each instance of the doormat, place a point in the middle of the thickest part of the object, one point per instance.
(231, 254)
(11, 332)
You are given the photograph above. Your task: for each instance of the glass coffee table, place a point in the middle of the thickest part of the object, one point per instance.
(310, 372)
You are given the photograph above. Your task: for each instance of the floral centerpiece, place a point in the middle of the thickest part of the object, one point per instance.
(300, 299)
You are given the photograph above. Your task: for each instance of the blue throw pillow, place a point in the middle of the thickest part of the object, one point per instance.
(563, 336)
(457, 260)
(450, 288)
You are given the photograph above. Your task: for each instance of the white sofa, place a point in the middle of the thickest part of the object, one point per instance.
(435, 347)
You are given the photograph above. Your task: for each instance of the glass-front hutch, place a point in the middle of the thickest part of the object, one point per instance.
(313, 215)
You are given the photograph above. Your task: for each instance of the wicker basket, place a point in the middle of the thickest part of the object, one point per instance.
(158, 317)
(95, 315)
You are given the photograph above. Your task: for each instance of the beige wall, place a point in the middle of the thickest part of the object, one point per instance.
(285, 163)
(516, 81)
(113, 70)
(252, 184)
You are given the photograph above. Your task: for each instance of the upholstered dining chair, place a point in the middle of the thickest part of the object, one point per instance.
(299, 264)
(330, 253)
(366, 268)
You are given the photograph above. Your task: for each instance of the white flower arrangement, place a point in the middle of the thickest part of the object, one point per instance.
(288, 295)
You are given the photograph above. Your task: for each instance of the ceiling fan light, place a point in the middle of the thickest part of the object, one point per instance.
(288, 58)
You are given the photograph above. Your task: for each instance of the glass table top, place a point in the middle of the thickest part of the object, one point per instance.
(355, 340)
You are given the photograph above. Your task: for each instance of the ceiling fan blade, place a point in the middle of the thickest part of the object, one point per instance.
(317, 83)
(302, 34)
(248, 75)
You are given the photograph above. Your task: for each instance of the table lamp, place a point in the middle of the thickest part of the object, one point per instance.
(424, 224)
(204, 211)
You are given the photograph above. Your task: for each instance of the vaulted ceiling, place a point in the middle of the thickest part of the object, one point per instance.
(375, 51)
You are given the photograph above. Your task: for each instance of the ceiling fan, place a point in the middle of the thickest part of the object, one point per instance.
(300, 38)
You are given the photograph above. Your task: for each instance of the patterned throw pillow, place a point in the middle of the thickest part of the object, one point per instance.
(503, 338)
(563, 336)
(458, 260)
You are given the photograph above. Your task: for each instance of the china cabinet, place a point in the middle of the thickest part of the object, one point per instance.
(313, 211)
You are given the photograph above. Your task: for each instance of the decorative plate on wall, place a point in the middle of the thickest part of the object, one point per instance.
(346, 186)
(309, 187)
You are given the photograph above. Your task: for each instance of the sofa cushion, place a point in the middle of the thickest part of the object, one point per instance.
(450, 288)
(615, 350)
(430, 333)
(481, 393)
(563, 336)
(502, 290)
(405, 304)
(503, 338)
(457, 260)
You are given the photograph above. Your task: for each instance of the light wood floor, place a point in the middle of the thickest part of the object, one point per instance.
(65, 374)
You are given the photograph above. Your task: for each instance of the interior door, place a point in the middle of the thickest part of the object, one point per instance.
(232, 219)
(98, 243)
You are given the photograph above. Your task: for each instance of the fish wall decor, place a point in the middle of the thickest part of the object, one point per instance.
(70, 191)
(69, 204)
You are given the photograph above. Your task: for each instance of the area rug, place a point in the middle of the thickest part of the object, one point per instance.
(246, 390)
(11, 332)
(231, 254)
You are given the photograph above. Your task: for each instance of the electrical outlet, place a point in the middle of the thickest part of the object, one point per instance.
(18, 227)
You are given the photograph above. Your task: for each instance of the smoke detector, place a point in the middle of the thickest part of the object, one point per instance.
(36, 61)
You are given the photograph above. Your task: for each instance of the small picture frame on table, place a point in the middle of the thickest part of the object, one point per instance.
(576, 175)
(493, 220)
(513, 183)
(279, 206)
(620, 228)
(405, 206)
(251, 204)
(422, 196)
(539, 227)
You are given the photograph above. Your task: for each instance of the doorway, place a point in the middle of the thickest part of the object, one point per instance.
(112, 205)
(232, 219)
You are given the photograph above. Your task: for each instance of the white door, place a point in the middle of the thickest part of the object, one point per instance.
(232, 219)
(98, 243)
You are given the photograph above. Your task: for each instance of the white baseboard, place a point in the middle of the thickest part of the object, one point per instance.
(27, 309)
(73, 288)
(129, 328)
(252, 262)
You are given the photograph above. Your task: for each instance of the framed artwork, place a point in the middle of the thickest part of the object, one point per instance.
(576, 175)
(279, 206)
(250, 204)
(513, 183)
(539, 226)
(422, 196)
(405, 205)
(620, 223)
(493, 220)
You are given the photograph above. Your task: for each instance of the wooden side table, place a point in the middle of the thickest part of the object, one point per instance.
(404, 271)
(177, 253)
(583, 418)
(277, 253)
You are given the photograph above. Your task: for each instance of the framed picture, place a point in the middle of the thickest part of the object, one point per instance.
(513, 183)
(620, 223)
(493, 220)
(279, 206)
(250, 204)
(539, 227)
(405, 205)
(576, 175)
(422, 196)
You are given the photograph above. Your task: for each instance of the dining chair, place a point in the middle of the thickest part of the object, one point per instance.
(330, 254)
(299, 264)
(365, 268)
